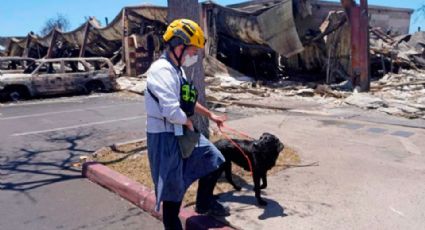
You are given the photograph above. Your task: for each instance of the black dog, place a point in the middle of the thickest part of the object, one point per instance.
(262, 153)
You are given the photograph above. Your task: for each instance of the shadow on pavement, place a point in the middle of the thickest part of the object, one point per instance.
(272, 209)
(31, 167)
(195, 222)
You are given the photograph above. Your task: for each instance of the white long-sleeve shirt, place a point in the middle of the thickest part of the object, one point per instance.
(164, 82)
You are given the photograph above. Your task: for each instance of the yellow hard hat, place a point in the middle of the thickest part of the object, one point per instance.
(189, 31)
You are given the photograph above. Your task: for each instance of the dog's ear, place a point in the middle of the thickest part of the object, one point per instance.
(280, 147)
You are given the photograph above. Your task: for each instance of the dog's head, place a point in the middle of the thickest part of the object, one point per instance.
(268, 144)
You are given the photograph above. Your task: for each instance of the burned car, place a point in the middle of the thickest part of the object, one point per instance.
(59, 76)
(15, 64)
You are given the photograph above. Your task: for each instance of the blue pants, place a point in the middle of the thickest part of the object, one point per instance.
(171, 174)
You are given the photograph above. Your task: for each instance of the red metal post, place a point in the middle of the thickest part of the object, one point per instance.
(359, 22)
(355, 45)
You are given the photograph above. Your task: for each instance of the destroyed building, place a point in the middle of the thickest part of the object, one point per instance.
(261, 39)
(307, 38)
(132, 37)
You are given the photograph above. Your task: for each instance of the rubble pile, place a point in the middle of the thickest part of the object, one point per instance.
(224, 87)
(132, 84)
(225, 83)
(392, 53)
(404, 93)
(400, 94)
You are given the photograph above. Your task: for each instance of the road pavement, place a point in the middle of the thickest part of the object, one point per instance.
(40, 138)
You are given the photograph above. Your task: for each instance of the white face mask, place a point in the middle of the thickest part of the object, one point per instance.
(190, 60)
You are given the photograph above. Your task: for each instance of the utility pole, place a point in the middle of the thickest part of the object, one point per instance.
(190, 9)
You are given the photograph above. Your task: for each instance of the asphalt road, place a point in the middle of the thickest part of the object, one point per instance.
(363, 155)
(38, 141)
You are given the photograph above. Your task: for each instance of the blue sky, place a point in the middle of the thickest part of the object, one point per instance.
(18, 17)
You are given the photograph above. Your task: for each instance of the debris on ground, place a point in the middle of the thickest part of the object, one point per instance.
(365, 101)
(404, 93)
(132, 84)
(405, 51)
(399, 94)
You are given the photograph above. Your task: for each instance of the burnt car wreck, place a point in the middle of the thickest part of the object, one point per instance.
(58, 76)
(14, 64)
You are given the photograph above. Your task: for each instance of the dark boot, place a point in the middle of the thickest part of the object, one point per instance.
(205, 202)
(170, 214)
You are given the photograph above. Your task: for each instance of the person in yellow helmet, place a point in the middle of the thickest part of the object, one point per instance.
(170, 101)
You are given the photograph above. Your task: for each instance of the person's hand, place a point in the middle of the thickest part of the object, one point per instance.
(218, 119)
(189, 124)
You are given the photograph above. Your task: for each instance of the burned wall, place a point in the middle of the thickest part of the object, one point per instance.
(250, 38)
(394, 20)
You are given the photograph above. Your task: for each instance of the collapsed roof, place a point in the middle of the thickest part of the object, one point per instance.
(243, 23)
(99, 41)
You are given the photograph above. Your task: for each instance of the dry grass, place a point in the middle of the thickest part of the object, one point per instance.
(135, 165)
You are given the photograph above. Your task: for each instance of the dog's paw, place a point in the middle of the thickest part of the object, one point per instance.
(262, 202)
(263, 186)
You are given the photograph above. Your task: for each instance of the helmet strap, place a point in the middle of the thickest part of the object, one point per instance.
(179, 58)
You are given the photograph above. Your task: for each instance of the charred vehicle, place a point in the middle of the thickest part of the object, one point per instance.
(14, 64)
(59, 76)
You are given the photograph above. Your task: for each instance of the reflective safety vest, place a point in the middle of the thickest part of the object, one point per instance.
(188, 97)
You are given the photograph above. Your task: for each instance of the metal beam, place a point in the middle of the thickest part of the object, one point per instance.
(9, 48)
(86, 35)
(52, 43)
(27, 46)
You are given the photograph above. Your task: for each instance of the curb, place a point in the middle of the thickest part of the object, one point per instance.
(120, 145)
(144, 197)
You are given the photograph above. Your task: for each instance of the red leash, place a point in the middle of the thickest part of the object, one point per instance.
(236, 144)
(235, 131)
